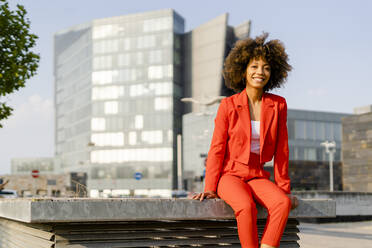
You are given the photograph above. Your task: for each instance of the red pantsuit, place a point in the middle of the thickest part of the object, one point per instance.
(237, 175)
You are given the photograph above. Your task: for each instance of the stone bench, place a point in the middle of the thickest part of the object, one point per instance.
(103, 223)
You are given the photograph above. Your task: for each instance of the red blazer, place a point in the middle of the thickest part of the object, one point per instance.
(232, 137)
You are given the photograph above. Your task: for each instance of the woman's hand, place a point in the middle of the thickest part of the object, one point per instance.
(294, 201)
(206, 195)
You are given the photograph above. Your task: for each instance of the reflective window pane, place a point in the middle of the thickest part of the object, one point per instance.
(152, 137)
(161, 154)
(138, 121)
(108, 139)
(299, 129)
(111, 107)
(107, 92)
(98, 124)
(163, 103)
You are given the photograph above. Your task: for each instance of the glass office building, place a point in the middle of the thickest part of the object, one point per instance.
(116, 81)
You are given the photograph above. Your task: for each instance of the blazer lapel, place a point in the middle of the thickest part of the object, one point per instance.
(267, 114)
(244, 115)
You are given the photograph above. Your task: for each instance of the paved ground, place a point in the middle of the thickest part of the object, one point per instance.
(336, 235)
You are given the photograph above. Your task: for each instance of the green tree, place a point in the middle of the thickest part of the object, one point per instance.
(17, 62)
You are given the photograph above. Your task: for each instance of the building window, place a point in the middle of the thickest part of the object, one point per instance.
(127, 75)
(159, 154)
(104, 77)
(103, 31)
(150, 89)
(155, 72)
(132, 138)
(111, 107)
(299, 129)
(108, 139)
(152, 137)
(160, 71)
(170, 136)
(98, 124)
(155, 56)
(337, 133)
(138, 121)
(163, 103)
(299, 153)
(108, 92)
(102, 62)
(139, 58)
(146, 41)
(124, 59)
(105, 46)
(163, 23)
(319, 130)
(310, 132)
(328, 131)
(125, 43)
(310, 154)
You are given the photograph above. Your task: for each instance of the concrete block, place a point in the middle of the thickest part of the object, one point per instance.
(48, 210)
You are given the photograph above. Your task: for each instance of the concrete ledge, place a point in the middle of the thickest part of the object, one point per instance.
(50, 210)
(347, 203)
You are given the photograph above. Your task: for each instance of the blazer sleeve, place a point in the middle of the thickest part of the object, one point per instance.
(217, 149)
(281, 156)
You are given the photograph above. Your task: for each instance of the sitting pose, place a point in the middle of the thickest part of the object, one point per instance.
(250, 129)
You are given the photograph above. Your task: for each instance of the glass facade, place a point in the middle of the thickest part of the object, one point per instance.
(116, 94)
(307, 130)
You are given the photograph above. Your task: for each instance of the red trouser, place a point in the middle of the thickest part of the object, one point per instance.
(241, 193)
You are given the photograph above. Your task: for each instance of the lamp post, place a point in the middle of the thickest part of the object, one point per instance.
(205, 103)
(330, 150)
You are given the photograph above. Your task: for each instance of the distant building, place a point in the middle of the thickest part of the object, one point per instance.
(118, 85)
(51, 185)
(357, 150)
(306, 131)
(24, 166)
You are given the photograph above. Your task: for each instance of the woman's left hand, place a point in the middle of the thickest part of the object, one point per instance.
(294, 201)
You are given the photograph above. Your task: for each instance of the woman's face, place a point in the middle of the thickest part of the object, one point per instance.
(257, 73)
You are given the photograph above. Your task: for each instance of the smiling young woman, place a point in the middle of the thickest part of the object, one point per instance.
(251, 129)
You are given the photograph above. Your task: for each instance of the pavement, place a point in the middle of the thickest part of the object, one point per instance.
(332, 235)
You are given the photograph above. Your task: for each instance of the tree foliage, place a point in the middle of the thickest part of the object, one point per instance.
(17, 62)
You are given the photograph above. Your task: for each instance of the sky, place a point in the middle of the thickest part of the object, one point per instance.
(328, 43)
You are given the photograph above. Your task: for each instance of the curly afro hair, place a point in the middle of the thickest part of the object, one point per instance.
(244, 50)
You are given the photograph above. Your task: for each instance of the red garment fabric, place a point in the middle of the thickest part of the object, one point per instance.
(231, 141)
(242, 196)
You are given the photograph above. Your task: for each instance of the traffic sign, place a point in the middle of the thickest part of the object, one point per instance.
(138, 175)
(35, 173)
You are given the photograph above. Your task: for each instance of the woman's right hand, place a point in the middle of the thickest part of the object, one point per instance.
(205, 195)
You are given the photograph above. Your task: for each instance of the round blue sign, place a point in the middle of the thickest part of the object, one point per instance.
(138, 175)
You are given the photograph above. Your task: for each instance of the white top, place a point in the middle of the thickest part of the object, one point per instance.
(255, 139)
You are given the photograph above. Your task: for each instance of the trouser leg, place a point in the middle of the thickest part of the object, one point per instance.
(278, 206)
(235, 192)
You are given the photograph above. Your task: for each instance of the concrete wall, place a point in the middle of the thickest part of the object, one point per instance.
(347, 203)
(357, 152)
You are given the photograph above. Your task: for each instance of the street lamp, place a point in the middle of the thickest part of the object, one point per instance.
(205, 103)
(330, 150)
